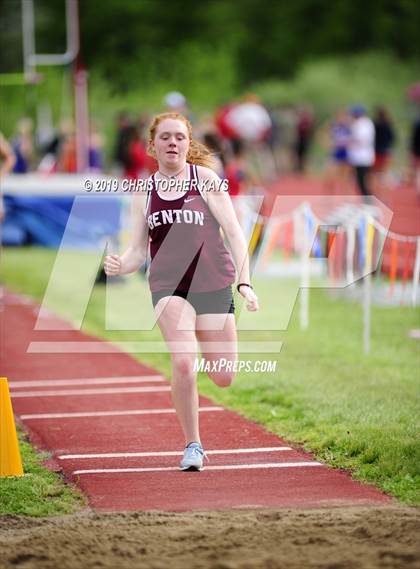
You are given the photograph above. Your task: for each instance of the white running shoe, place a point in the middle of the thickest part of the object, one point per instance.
(193, 457)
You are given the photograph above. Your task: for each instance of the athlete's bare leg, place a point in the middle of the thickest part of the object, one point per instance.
(218, 329)
(183, 354)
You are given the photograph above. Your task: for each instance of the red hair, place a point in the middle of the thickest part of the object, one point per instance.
(197, 153)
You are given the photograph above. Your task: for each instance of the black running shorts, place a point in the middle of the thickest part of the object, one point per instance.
(212, 302)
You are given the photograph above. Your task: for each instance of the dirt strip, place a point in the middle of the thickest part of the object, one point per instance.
(341, 538)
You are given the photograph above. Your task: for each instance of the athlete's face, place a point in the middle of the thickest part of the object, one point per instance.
(171, 143)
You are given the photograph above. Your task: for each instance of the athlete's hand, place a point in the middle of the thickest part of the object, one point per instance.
(112, 265)
(250, 297)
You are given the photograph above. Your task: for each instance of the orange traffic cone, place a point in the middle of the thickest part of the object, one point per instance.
(10, 461)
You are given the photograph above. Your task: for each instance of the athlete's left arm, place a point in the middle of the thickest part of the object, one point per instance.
(220, 205)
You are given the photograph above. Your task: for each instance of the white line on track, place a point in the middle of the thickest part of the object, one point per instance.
(103, 391)
(84, 347)
(87, 381)
(109, 413)
(171, 453)
(221, 467)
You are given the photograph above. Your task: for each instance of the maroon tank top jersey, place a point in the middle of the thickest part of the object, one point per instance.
(186, 247)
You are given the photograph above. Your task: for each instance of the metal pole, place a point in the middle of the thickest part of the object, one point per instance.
(416, 274)
(367, 284)
(72, 27)
(28, 36)
(82, 119)
(304, 283)
(367, 300)
(350, 253)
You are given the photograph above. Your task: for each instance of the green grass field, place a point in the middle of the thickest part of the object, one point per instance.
(352, 410)
(39, 492)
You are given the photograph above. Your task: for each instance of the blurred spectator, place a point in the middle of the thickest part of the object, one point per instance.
(235, 171)
(8, 159)
(274, 139)
(23, 147)
(177, 103)
(53, 149)
(249, 120)
(362, 146)
(286, 120)
(150, 164)
(415, 153)
(251, 123)
(384, 136)
(44, 130)
(122, 139)
(143, 120)
(136, 158)
(214, 143)
(413, 93)
(238, 177)
(96, 160)
(221, 122)
(67, 157)
(304, 132)
(337, 140)
(384, 141)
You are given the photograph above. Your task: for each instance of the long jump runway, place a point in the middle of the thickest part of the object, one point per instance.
(109, 424)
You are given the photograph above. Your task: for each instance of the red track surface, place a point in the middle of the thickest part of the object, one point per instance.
(307, 486)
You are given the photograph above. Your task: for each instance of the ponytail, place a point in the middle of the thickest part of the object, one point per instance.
(200, 155)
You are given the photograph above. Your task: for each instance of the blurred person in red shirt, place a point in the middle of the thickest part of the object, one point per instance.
(135, 159)
(239, 178)
(67, 159)
(235, 170)
(221, 122)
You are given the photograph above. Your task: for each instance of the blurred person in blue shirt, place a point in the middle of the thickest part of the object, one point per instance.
(23, 147)
(8, 160)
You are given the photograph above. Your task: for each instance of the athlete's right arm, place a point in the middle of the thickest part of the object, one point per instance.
(133, 258)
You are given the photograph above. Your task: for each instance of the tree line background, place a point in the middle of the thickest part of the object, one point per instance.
(306, 51)
(132, 41)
